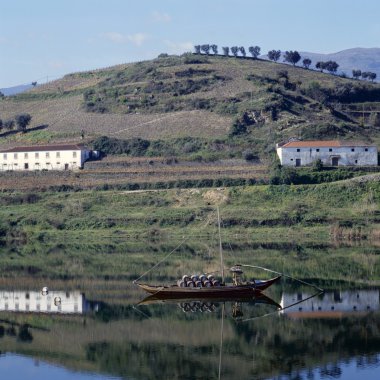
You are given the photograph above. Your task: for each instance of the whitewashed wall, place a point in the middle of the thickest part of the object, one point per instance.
(348, 156)
(50, 160)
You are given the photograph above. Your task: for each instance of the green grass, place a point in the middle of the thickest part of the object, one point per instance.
(120, 235)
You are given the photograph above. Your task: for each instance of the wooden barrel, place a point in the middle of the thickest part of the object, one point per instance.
(203, 277)
(198, 284)
(207, 284)
(190, 284)
(185, 278)
(215, 283)
(210, 277)
(181, 284)
(194, 277)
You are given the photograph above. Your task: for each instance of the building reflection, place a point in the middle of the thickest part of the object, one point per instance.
(60, 302)
(333, 304)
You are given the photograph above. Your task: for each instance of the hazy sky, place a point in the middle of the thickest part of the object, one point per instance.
(50, 38)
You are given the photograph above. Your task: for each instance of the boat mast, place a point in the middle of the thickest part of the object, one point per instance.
(220, 246)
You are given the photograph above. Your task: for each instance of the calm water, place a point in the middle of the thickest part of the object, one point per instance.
(105, 335)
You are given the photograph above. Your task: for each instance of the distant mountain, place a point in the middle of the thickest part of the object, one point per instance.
(16, 89)
(364, 59)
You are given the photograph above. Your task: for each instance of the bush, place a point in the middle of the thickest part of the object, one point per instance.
(248, 155)
(133, 147)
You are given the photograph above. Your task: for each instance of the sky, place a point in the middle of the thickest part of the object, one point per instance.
(42, 40)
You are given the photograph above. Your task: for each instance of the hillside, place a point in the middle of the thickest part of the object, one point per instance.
(174, 97)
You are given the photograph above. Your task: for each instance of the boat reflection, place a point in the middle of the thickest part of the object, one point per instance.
(208, 305)
(58, 302)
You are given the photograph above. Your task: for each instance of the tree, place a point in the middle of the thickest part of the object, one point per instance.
(226, 51)
(372, 76)
(331, 66)
(306, 63)
(1, 124)
(9, 124)
(356, 74)
(320, 66)
(197, 49)
(214, 48)
(292, 57)
(1, 95)
(234, 50)
(206, 48)
(365, 74)
(274, 55)
(242, 50)
(23, 121)
(255, 51)
(34, 84)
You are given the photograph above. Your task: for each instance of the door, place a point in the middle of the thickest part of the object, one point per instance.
(335, 161)
(298, 162)
(66, 166)
(26, 166)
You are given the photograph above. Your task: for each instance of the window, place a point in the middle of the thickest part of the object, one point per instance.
(48, 164)
(330, 150)
(47, 155)
(74, 154)
(317, 150)
(291, 159)
(25, 155)
(356, 161)
(298, 150)
(58, 154)
(366, 149)
(4, 156)
(15, 156)
(36, 155)
(58, 163)
(352, 149)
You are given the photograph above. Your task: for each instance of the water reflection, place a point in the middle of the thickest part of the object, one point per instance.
(330, 304)
(60, 302)
(169, 340)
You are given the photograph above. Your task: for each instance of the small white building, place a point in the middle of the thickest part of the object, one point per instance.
(331, 153)
(47, 157)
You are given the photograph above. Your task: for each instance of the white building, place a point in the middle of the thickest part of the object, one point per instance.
(48, 157)
(331, 153)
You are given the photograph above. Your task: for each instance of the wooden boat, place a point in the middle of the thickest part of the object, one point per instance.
(217, 290)
(174, 291)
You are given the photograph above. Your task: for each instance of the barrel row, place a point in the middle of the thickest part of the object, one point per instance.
(195, 281)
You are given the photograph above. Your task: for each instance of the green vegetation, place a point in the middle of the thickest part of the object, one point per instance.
(127, 232)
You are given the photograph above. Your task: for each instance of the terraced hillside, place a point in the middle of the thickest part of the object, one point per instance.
(251, 102)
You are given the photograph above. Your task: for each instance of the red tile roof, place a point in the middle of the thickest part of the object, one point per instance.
(327, 144)
(43, 148)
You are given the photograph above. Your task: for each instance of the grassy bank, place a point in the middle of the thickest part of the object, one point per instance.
(326, 231)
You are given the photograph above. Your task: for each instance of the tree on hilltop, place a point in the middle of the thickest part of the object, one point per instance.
(197, 49)
(206, 48)
(306, 63)
(226, 50)
(292, 57)
(234, 50)
(331, 66)
(22, 121)
(255, 51)
(1, 124)
(274, 55)
(356, 74)
(242, 51)
(320, 66)
(214, 48)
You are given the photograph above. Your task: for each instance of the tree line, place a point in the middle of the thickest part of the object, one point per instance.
(292, 57)
(20, 121)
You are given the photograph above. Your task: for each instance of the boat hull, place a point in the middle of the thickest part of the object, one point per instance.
(221, 291)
